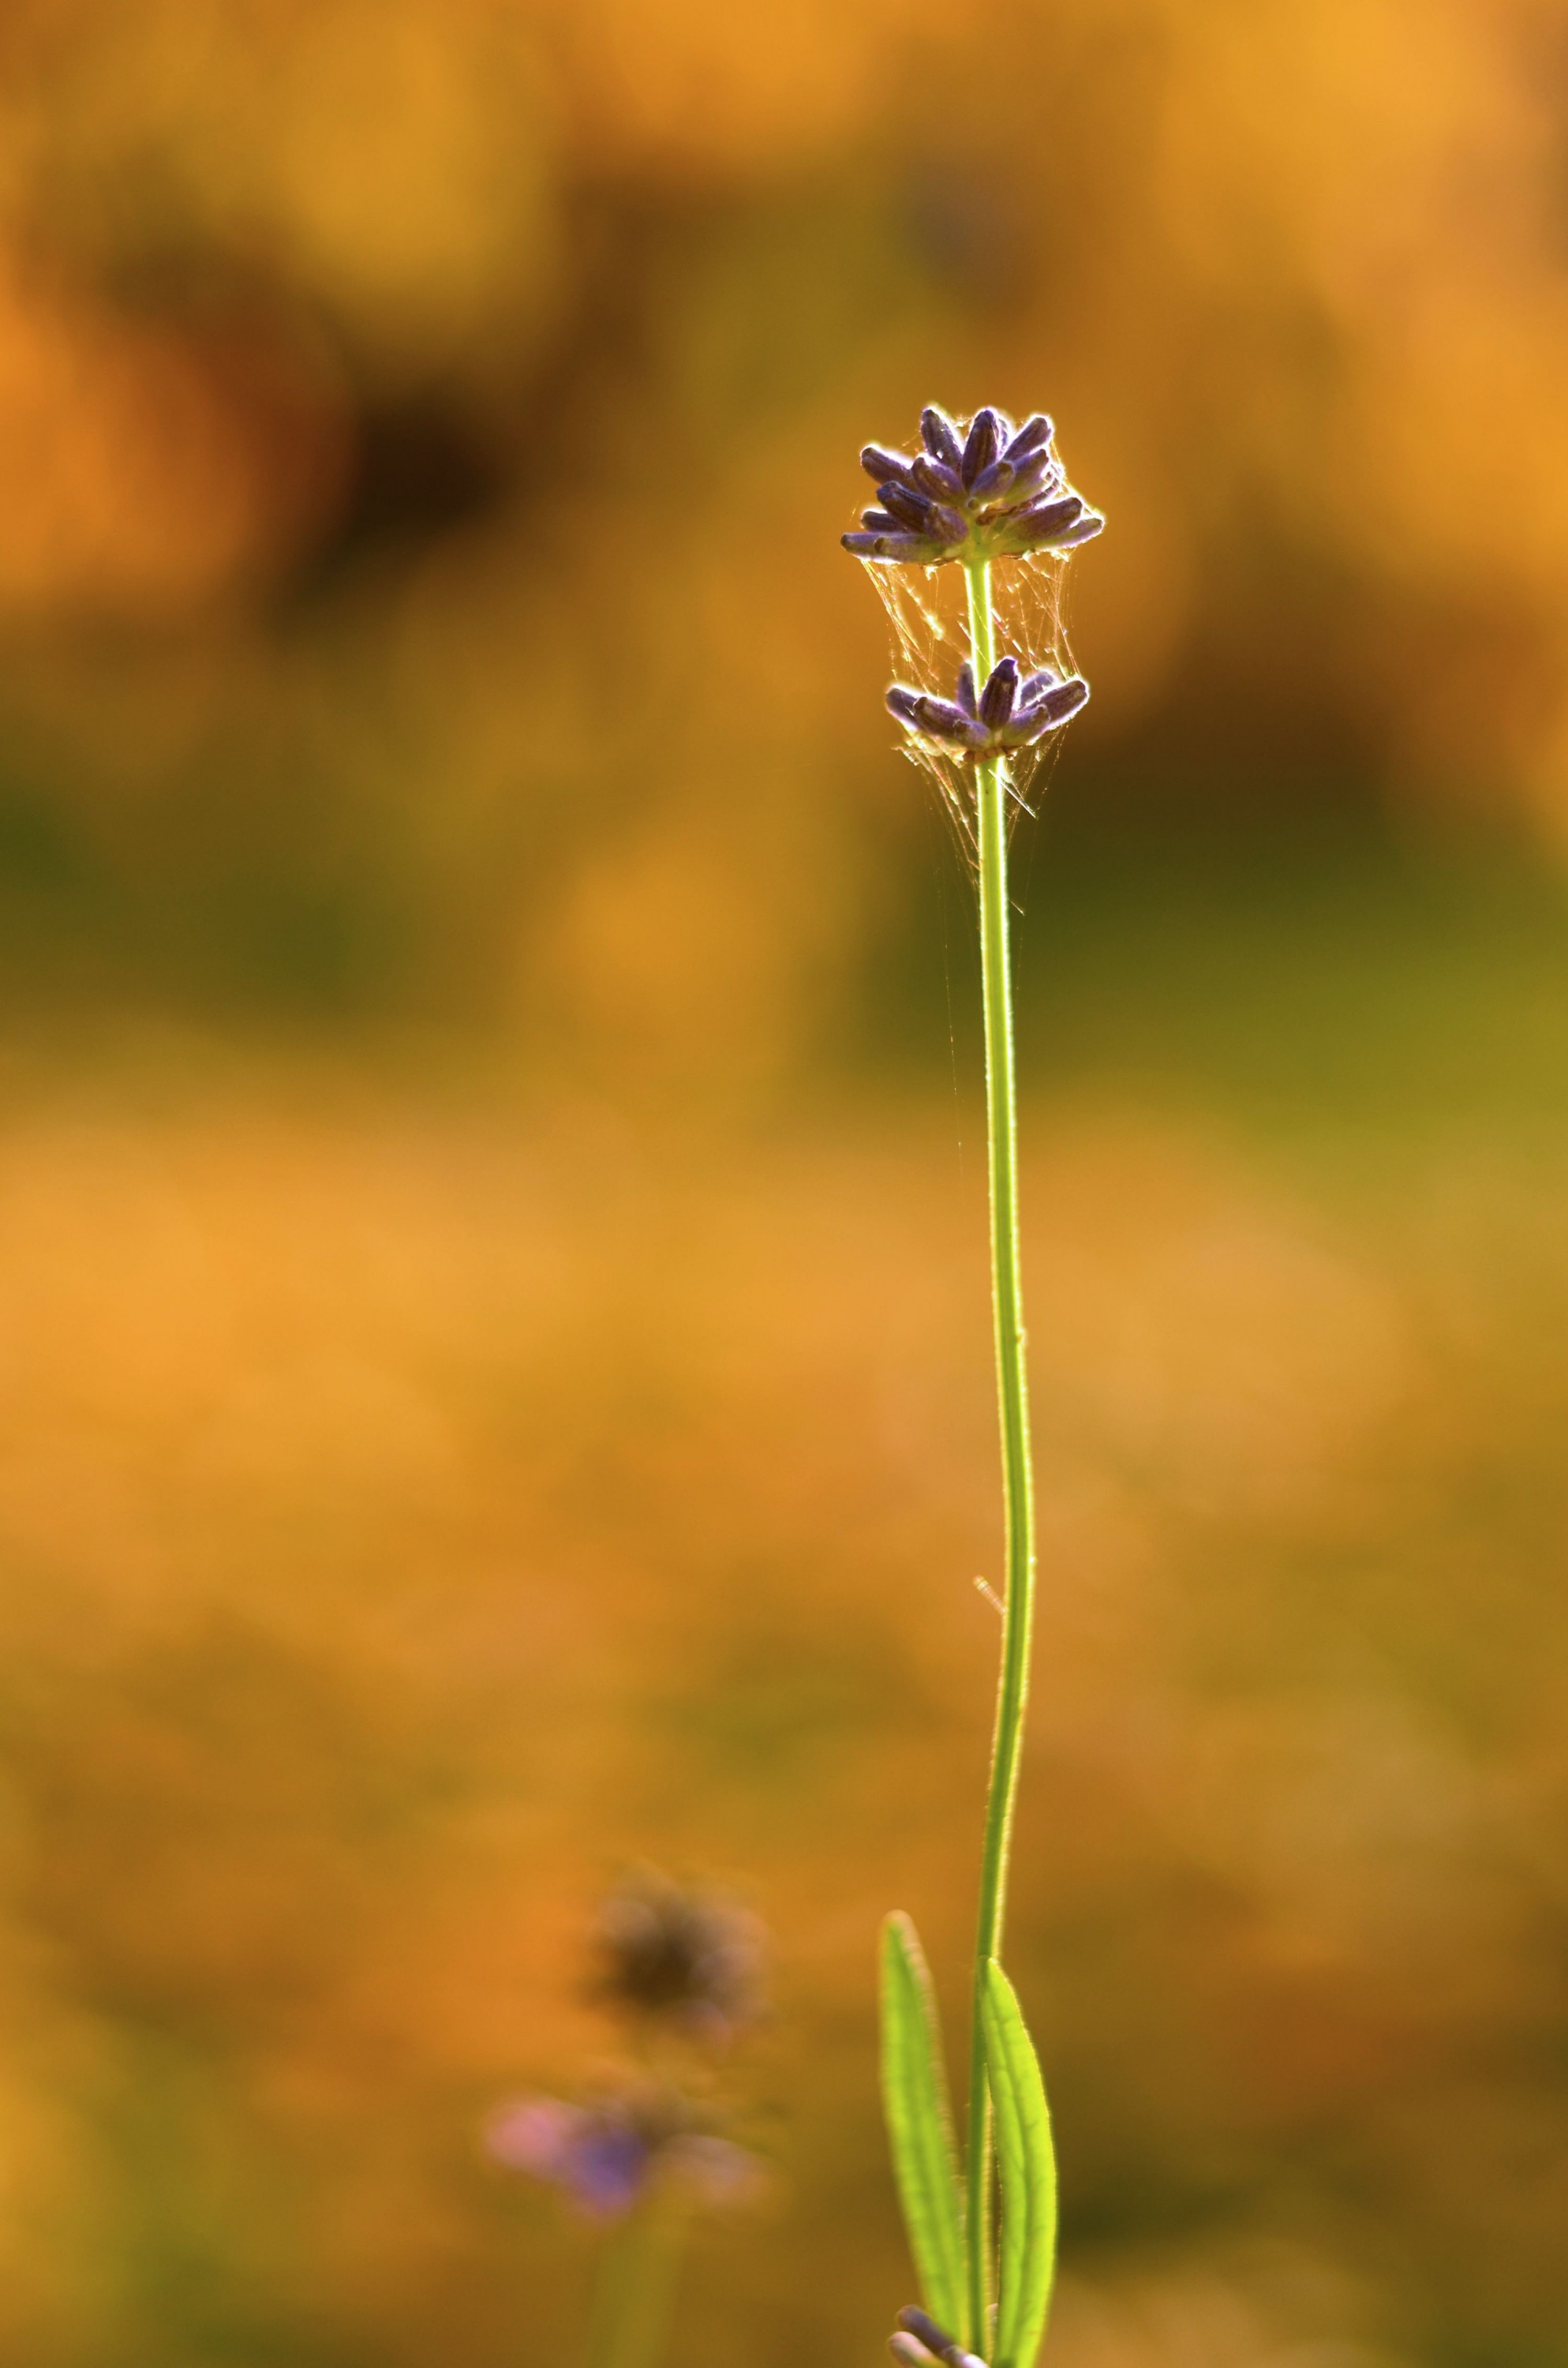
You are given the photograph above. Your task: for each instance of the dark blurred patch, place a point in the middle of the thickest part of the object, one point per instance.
(422, 466)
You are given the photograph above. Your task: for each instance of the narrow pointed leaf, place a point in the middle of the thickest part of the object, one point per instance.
(920, 2123)
(1027, 2164)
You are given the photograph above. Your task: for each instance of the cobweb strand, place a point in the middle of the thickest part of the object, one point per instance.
(927, 619)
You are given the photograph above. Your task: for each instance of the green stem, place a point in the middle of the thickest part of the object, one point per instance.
(1017, 1478)
(635, 2287)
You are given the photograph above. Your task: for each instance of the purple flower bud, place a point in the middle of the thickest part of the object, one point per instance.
(935, 477)
(1044, 523)
(941, 437)
(905, 703)
(1064, 700)
(984, 443)
(1050, 512)
(1088, 526)
(905, 2349)
(993, 482)
(911, 509)
(923, 2340)
(1033, 687)
(951, 525)
(943, 719)
(879, 521)
(996, 698)
(966, 689)
(1031, 475)
(919, 2323)
(878, 462)
(1034, 436)
(906, 549)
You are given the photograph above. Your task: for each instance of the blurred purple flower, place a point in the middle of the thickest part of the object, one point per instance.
(597, 2157)
(994, 492)
(1011, 711)
(604, 2157)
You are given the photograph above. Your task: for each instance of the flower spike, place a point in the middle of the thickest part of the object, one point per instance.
(995, 492)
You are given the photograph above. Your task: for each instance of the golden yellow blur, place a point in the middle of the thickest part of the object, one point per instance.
(493, 1343)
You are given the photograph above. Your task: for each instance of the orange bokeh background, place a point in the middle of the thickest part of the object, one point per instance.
(492, 1326)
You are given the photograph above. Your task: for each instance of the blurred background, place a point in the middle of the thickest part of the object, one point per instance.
(493, 1330)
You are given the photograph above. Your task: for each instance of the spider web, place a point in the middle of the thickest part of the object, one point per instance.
(928, 616)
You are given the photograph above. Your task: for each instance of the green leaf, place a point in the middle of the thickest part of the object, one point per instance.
(1027, 2162)
(920, 2126)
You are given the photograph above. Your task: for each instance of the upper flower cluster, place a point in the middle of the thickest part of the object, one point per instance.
(996, 491)
(1011, 711)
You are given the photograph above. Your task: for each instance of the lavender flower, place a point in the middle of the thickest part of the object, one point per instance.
(605, 2156)
(997, 491)
(677, 1957)
(920, 2343)
(598, 2155)
(1011, 711)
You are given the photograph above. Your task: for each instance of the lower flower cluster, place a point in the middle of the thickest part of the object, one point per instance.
(1012, 710)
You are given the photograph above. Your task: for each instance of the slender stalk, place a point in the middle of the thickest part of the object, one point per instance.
(635, 2286)
(1017, 1478)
